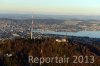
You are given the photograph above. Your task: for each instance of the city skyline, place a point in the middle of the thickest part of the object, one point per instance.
(66, 7)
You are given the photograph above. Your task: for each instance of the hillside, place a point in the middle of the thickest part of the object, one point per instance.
(21, 49)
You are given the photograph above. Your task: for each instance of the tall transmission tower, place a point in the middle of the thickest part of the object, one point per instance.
(32, 28)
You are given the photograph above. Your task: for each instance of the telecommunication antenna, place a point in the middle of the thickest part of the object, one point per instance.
(32, 29)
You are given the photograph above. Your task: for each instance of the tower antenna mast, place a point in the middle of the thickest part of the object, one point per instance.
(32, 29)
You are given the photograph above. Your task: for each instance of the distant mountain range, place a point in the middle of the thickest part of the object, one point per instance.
(40, 16)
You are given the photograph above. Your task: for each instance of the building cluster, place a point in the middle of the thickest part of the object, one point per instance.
(10, 28)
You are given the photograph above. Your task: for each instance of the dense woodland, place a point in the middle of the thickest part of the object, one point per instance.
(22, 48)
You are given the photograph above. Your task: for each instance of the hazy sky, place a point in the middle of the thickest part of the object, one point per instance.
(77, 7)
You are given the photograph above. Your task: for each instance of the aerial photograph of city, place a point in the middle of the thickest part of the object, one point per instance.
(49, 32)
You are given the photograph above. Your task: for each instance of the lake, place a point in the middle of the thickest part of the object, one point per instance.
(91, 34)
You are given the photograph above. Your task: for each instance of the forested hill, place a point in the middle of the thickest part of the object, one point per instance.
(20, 49)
